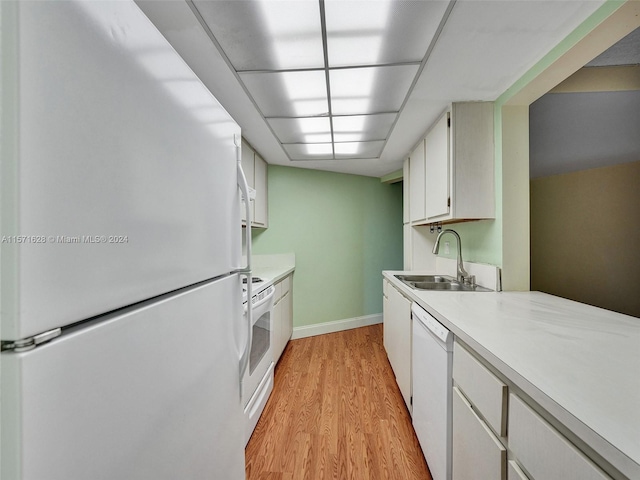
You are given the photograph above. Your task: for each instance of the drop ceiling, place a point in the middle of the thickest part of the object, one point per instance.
(351, 85)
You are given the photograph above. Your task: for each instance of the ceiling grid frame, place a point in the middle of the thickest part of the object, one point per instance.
(356, 140)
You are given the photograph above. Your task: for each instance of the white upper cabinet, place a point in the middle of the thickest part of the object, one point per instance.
(405, 191)
(417, 184)
(248, 168)
(451, 171)
(438, 162)
(255, 169)
(260, 211)
(469, 164)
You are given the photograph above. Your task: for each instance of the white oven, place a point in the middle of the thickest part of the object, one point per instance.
(257, 382)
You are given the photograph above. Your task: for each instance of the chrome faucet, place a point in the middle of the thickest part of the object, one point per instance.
(462, 275)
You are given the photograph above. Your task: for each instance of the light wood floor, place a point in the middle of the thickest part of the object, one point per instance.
(335, 413)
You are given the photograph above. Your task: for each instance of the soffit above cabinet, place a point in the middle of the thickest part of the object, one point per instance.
(352, 85)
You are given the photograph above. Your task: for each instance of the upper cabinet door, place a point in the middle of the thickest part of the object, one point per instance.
(454, 175)
(438, 169)
(405, 191)
(260, 213)
(248, 168)
(417, 183)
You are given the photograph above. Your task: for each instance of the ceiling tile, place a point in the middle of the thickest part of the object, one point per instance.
(360, 128)
(288, 94)
(359, 149)
(314, 151)
(357, 91)
(266, 34)
(383, 32)
(301, 130)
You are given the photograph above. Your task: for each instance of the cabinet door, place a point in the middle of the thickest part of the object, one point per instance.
(477, 453)
(438, 169)
(483, 389)
(287, 318)
(405, 191)
(543, 451)
(276, 321)
(406, 246)
(514, 472)
(398, 328)
(260, 213)
(417, 183)
(248, 168)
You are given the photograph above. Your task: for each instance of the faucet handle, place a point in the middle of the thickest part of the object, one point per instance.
(470, 280)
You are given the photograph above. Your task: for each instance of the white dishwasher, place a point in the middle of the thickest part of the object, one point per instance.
(432, 361)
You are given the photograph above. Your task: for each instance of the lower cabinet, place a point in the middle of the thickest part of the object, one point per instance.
(514, 472)
(282, 316)
(490, 426)
(542, 450)
(397, 337)
(477, 452)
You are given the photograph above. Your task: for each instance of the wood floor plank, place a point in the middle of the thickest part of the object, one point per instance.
(335, 413)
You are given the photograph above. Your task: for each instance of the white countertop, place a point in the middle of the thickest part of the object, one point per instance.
(580, 363)
(273, 268)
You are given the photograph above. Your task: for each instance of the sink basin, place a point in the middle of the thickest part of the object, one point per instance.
(425, 278)
(438, 282)
(452, 286)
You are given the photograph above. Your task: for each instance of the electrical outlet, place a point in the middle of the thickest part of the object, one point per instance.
(446, 248)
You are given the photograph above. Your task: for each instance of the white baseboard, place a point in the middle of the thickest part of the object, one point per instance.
(336, 326)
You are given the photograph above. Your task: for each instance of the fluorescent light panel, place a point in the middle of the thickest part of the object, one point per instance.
(288, 94)
(355, 35)
(294, 30)
(387, 39)
(301, 130)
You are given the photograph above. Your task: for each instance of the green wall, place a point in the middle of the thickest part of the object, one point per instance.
(343, 229)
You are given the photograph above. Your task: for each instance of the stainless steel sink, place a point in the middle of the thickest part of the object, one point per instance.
(425, 278)
(439, 282)
(452, 286)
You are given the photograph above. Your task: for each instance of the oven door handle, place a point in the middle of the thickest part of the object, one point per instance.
(271, 291)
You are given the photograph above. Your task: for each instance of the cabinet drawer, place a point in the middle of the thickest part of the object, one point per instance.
(514, 472)
(543, 451)
(485, 391)
(477, 452)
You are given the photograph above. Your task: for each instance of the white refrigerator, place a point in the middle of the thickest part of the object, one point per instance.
(121, 260)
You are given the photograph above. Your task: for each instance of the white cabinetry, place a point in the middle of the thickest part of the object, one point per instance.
(437, 167)
(397, 337)
(282, 316)
(481, 439)
(255, 170)
(479, 420)
(260, 212)
(417, 184)
(542, 450)
(248, 169)
(406, 219)
(514, 472)
(451, 171)
(460, 149)
(405, 191)
(477, 453)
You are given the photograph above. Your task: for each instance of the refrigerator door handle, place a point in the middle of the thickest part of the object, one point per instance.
(244, 188)
(246, 271)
